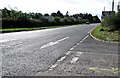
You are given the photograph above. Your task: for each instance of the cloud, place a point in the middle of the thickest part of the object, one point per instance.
(70, 1)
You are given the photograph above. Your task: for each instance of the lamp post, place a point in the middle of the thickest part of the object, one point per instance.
(113, 5)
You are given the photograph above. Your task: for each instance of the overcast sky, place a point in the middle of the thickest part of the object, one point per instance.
(95, 7)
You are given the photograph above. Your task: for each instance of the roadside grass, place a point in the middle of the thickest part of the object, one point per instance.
(30, 29)
(25, 29)
(106, 35)
(17, 29)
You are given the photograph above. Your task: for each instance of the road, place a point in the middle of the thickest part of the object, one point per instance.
(60, 51)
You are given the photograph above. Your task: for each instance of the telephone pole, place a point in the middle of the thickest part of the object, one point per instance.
(113, 5)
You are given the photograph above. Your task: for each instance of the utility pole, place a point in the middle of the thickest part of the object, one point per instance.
(104, 8)
(113, 5)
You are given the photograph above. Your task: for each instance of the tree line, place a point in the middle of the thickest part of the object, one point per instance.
(18, 19)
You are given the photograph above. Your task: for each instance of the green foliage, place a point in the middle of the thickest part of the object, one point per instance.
(96, 19)
(18, 19)
(105, 35)
(57, 20)
(113, 23)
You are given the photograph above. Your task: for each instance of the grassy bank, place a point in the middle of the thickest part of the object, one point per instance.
(106, 35)
(31, 29)
(25, 29)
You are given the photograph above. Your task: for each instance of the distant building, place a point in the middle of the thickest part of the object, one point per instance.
(118, 7)
(108, 14)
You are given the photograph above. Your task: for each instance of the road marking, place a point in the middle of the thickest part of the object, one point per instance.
(72, 48)
(84, 38)
(53, 43)
(62, 39)
(78, 53)
(77, 44)
(2, 45)
(2, 41)
(67, 53)
(80, 42)
(53, 66)
(61, 59)
(85, 52)
(74, 59)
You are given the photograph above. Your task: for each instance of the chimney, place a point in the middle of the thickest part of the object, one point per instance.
(113, 5)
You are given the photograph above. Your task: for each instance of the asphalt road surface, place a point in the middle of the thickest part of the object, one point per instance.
(62, 51)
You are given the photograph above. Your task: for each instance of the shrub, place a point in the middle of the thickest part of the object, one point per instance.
(112, 23)
(20, 23)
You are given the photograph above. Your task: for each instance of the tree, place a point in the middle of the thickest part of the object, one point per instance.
(96, 19)
(14, 19)
(53, 14)
(67, 14)
(46, 15)
(90, 18)
(5, 13)
(59, 14)
(57, 19)
(115, 22)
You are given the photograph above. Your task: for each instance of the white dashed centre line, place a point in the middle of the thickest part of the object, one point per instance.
(84, 38)
(53, 43)
(2, 41)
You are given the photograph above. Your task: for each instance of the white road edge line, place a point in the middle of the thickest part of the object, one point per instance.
(67, 53)
(61, 59)
(53, 66)
(53, 43)
(72, 48)
(77, 44)
(84, 38)
(91, 30)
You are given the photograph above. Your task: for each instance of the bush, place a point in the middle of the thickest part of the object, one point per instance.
(115, 22)
(112, 23)
(20, 23)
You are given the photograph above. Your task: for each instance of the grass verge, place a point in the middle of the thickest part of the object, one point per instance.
(30, 29)
(25, 29)
(106, 35)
